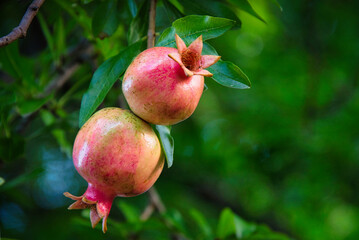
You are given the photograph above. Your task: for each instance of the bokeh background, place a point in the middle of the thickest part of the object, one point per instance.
(284, 153)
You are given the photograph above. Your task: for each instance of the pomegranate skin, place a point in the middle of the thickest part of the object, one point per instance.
(158, 90)
(118, 154)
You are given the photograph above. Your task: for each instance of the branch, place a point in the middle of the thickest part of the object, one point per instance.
(20, 31)
(151, 34)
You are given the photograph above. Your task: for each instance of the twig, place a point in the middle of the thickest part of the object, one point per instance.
(58, 82)
(151, 34)
(20, 31)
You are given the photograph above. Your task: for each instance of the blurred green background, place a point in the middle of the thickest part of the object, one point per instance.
(284, 153)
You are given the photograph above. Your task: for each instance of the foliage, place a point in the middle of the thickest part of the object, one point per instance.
(284, 153)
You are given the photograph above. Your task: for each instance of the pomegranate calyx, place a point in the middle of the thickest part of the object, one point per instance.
(98, 210)
(191, 60)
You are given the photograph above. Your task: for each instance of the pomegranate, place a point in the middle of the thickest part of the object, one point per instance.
(163, 85)
(118, 154)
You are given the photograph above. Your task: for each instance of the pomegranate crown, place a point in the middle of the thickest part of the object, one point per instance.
(190, 58)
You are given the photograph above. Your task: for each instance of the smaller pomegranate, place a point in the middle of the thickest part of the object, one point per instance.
(118, 154)
(163, 85)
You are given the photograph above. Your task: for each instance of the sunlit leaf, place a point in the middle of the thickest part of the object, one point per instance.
(191, 27)
(2, 181)
(225, 225)
(247, 7)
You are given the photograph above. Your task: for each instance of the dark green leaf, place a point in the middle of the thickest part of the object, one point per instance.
(131, 214)
(202, 223)
(21, 179)
(17, 66)
(191, 27)
(7, 98)
(215, 8)
(278, 5)
(172, 11)
(139, 25)
(205, 88)
(247, 7)
(174, 217)
(229, 75)
(86, 1)
(167, 142)
(166, 14)
(11, 148)
(226, 225)
(106, 19)
(27, 106)
(104, 78)
(264, 232)
(133, 7)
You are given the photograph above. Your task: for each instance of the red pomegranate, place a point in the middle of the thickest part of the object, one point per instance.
(118, 154)
(163, 85)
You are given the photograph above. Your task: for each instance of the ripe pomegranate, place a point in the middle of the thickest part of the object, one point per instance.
(118, 154)
(163, 85)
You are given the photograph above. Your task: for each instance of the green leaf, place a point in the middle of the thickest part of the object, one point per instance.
(226, 225)
(139, 25)
(278, 5)
(215, 8)
(205, 88)
(86, 1)
(167, 142)
(104, 78)
(60, 136)
(47, 117)
(133, 7)
(172, 11)
(17, 66)
(202, 223)
(242, 228)
(191, 27)
(7, 98)
(21, 179)
(27, 106)
(247, 7)
(106, 19)
(229, 75)
(174, 217)
(131, 214)
(47, 34)
(264, 232)
(2, 181)
(11, 148)
(60, 37)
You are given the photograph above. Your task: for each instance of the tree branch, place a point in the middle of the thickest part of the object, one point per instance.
(20, 31)
(151, 34)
